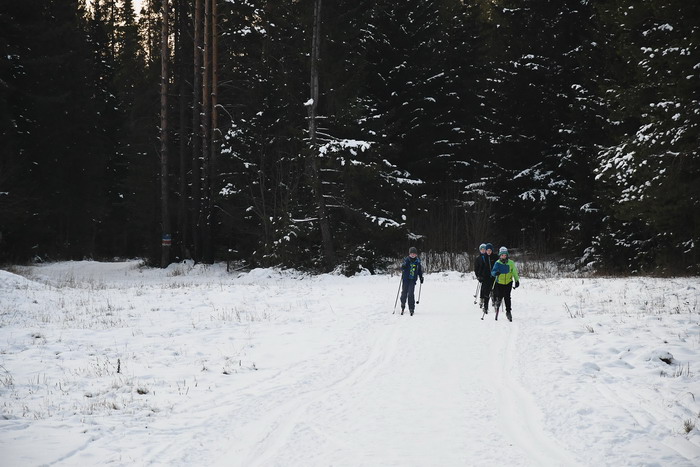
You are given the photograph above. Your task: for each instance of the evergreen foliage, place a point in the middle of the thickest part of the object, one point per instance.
(566, 128)
(648, 177)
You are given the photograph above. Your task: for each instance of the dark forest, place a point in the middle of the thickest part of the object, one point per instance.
(335, 134)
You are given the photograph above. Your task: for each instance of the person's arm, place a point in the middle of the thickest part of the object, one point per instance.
(479, 268)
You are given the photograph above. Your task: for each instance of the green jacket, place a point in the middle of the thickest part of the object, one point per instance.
(505, 273)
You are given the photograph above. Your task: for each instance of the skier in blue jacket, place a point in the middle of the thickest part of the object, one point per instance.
(411, 272)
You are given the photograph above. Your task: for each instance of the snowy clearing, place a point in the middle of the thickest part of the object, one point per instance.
(113, 363)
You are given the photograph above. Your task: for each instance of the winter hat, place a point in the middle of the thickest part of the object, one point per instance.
(489, 246)
(482, 246)
(503, 251)
(412, 250)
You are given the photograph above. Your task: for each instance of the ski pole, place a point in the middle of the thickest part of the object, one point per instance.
(420, 287)
(397, 295)
(499, 300)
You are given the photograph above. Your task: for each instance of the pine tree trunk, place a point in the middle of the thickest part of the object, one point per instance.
(165, 214)
(206, 137)
(181, 69)
(196, 124)
(213, 169)
(326, 236)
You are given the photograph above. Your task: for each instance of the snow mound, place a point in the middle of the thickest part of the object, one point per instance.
(660, 355)
(590, 368)
(9, 280)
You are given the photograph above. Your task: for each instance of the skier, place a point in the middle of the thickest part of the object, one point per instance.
(412, 271)
(504, 272)
(482, 268)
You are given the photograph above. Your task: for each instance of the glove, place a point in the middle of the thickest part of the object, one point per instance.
(517, 284)
(421, 280)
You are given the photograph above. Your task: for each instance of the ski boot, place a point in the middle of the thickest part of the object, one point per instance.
(509, 316)
(411, 312)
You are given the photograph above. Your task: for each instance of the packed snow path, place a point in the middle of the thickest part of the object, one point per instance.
(273, 368)
(429, 389)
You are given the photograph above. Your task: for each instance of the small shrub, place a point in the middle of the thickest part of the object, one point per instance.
(176, 272)
(682, 371)
(6, 379)
(576, 314)
(688, 425)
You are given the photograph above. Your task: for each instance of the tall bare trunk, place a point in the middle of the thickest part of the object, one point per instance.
(182, 83)
(214, 159)
(165, 214)
(206, 125)
(196, 124)
(326, 236)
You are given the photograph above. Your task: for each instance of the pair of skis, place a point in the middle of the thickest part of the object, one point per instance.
(487, 298)
(420, 288)
(498, 308)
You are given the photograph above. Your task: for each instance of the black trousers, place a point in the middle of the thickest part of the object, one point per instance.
(408, 291)
(486, 285)
(502, 293)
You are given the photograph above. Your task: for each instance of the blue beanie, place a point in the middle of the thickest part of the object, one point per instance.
(489, 246)
(482, 246)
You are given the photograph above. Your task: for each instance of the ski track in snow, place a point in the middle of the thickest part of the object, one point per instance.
(418, 381)
(519, 414)
(272, 443)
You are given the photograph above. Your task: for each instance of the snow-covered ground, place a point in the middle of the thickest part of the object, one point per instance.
(113, 363)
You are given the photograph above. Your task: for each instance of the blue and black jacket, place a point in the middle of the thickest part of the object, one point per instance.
(412, 269)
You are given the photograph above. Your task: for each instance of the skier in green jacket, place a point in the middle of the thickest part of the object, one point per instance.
(505, 273)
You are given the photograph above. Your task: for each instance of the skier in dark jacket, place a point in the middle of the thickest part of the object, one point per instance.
(411, 272)
(482, 268)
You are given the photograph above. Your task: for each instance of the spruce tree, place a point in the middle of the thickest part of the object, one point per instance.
(648, 176)
(549, 120)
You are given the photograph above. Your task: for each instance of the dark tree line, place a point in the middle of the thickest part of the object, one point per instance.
(330, 133)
